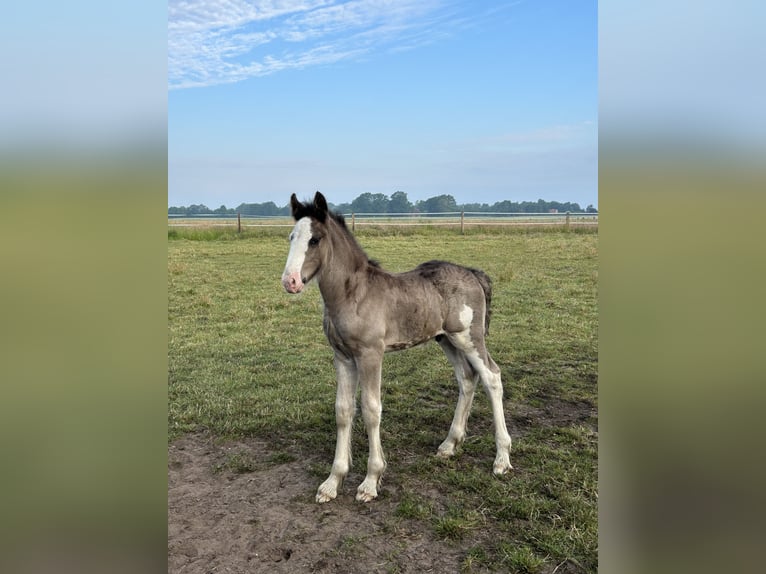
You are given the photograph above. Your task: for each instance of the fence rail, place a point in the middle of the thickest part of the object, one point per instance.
(450, 218)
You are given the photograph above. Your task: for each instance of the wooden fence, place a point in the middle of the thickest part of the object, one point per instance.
(463, 219)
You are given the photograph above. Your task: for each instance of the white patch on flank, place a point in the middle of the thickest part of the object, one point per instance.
(462, 340)
(299, 244)
(466, 316)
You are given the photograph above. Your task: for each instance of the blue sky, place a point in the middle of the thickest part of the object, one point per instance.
(485, 101)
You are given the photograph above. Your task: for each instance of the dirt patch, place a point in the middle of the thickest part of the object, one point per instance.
(243, 506)
(556, 413)
(266, 520)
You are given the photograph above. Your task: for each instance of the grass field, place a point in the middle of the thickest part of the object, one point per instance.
(248, 360)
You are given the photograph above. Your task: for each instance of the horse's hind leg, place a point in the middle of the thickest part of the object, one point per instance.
(471, 342)
(466, 380)
(494, 387)
(490, 377)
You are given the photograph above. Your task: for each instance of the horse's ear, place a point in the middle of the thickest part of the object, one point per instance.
(320, 203)
(295, 205)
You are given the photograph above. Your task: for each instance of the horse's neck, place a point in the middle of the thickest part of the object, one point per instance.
(344, 274)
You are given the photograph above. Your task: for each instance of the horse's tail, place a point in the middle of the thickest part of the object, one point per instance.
(486, 285)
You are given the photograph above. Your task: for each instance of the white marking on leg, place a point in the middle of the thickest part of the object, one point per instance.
(494, 388)
(299, 244)
(467, 385)
(345, 406)
(376, 464)
(456, 434)
(369, 378)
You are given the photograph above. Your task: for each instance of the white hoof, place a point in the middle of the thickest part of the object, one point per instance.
(327, 492)
(446, 450)
(501, 467)
(449, 447)
(367, 491)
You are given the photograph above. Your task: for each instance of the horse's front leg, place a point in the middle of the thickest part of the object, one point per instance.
(369, 366)
(345, 404)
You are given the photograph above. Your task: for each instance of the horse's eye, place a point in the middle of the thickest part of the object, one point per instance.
(314, 241)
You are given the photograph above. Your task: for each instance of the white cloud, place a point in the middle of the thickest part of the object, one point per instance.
(222, 41)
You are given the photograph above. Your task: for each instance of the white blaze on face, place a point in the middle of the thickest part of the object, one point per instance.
(299, 244)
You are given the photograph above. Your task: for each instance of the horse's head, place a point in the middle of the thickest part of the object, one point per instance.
(307, 248)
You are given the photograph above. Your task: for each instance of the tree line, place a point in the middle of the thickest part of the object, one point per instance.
(397, 203)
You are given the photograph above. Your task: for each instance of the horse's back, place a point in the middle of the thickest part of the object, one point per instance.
(458, 286)
(449, 277)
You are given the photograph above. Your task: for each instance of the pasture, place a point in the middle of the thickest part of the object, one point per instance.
(252, 429)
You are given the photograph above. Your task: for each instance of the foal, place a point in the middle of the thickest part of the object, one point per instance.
(368, 311)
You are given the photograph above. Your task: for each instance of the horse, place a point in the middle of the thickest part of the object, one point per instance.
(369, 311)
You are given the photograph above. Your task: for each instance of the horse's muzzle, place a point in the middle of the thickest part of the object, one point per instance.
(292, 283)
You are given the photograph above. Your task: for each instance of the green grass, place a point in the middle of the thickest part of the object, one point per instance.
(246, 359)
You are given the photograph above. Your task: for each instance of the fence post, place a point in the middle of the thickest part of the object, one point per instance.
(462, 223)
(353, 222)
(239, 224)
(567, 223)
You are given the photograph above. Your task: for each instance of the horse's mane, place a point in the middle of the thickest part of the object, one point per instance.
(341, 221)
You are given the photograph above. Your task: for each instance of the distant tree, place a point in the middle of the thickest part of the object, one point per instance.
(506, 207)
(438, 204)
(362, 204)
(476, 207)
(380, 202)
(568, 206)
(399, 203)
(245, 209)
(268, 208)
(370, 203)
(198, 210)
(341, 207)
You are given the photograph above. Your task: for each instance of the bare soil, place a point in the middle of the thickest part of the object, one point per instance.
(264, 518)
(267, 520)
